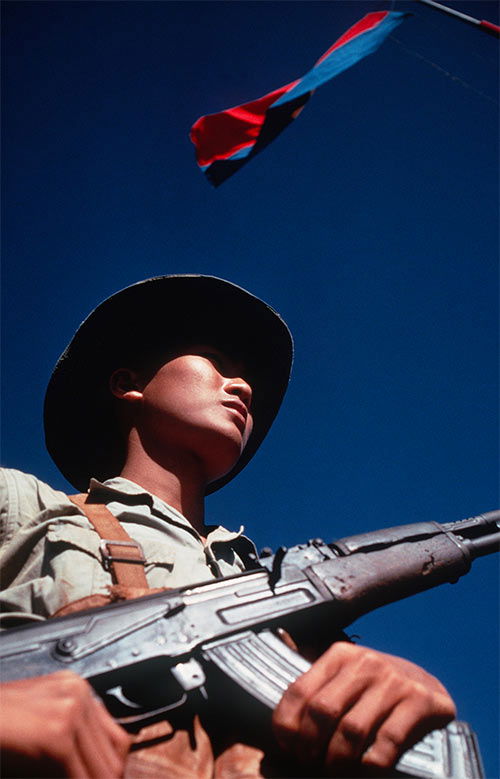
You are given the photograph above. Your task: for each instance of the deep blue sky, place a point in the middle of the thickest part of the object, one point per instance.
(370, 224)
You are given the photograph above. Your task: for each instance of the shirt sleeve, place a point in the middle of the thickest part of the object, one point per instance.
(50, 553)
(18, 501)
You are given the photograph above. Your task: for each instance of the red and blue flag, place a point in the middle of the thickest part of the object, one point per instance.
(227, 140)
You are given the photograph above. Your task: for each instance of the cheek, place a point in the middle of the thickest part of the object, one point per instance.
(191, 374)
(182, 386)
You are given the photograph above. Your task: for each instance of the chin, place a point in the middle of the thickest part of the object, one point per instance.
(222, 459)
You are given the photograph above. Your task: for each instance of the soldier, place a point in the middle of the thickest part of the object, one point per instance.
(163, 395)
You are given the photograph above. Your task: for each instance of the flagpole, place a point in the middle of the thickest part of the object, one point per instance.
(489, 27)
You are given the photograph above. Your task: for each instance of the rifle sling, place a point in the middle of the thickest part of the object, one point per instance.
(121, 554)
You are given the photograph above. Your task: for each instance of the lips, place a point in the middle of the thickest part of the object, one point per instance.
(241, 412)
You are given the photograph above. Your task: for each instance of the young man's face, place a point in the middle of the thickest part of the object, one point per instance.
(197, 404)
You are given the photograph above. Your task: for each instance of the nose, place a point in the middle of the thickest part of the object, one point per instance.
(240, 388)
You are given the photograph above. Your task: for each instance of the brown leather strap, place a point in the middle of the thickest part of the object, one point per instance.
(121, 555)
(88, 602)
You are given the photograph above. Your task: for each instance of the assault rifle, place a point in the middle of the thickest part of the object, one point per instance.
(228, 624)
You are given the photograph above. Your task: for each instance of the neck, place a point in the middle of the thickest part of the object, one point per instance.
(179, 483)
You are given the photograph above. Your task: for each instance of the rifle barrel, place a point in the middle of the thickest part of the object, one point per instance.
(478, 547)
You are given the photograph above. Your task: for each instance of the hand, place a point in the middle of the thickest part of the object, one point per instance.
(55, 726)
(358, 706)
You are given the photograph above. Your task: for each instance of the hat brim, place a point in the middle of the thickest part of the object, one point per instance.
(81, 433)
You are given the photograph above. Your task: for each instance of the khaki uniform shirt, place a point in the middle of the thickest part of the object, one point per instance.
(51, 557)
(51, 553)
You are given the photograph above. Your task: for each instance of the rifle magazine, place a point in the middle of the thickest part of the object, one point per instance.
(450, 753)
(261, 663)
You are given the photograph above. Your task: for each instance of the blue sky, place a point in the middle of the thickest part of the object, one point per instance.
(371, 224)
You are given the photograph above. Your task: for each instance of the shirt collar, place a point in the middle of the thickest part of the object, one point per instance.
(118, 487)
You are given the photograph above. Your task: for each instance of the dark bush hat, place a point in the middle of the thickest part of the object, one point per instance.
(143, 322)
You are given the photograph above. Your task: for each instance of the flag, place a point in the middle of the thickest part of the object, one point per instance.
(225, 141)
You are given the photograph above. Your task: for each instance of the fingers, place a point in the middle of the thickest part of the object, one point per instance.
(316, 702)
(357, 705)
(57, 727)
(401, 730)
(100, 744)
(316, 708)
(357, 728)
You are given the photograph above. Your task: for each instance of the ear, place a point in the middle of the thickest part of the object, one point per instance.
(124, 383)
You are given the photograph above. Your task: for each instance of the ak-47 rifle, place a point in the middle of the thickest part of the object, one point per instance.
(228, 624)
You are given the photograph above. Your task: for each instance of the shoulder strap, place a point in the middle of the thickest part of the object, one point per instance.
(122, 556)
